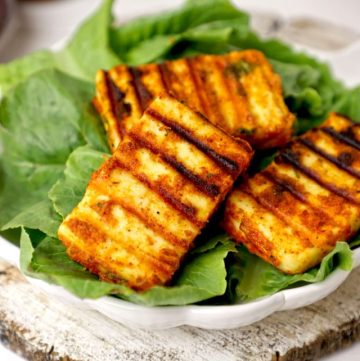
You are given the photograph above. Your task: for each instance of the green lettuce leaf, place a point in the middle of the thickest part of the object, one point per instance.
(18, 70)
(41, 122)
(89, 49)
(250, 277)
(349, 104)
(86, 52)
(40, 216)
(70, 189)
(202, 277)
(207, 23)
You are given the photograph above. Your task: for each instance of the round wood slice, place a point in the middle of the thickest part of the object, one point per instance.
(42, 328)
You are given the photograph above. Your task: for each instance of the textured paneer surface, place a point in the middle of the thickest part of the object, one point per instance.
(238, 92)
(292, 213)
(145, 205)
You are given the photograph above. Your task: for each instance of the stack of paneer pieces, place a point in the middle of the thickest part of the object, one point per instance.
(181, 133)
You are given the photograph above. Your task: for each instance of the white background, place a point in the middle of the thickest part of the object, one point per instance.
(41, 24)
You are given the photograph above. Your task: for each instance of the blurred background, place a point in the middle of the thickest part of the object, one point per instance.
(331, 29)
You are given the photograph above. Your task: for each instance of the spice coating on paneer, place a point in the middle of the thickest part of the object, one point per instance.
(238, 92)
(146, 204)
(292, 213)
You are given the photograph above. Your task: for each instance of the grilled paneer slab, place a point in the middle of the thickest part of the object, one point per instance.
(238, 92)
(292, 213)
(145, 205)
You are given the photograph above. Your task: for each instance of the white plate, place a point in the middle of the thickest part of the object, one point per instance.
(208, 317)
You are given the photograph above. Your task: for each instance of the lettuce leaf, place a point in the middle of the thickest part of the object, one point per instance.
(250, 277)
(40, 216)
(349, 104)
(209, 23)
(69, 190)
(19, 69)
(354, 243)
(202, 277)
(41, 122)
(87, 51)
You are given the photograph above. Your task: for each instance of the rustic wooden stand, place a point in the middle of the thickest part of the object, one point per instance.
(43, 328)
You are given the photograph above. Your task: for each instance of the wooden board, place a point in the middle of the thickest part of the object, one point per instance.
(43, 328)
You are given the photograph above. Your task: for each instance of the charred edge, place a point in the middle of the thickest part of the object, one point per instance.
(197, 86)
(187, 211)
(342, 164)
(290, 157)
(165, 76)
(209, 189)
(285, 185)
(342, 137)
(142, 93)
(117, 99)
(275, 211)
(226, 163)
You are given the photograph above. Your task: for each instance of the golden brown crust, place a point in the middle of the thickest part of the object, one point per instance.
(238, 92)
(292, 213)
(145, 205)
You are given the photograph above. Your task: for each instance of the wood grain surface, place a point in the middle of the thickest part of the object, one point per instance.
(43, 328)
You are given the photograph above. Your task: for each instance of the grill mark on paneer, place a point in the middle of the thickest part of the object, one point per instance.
(106, 213)
(280, 215)
(340, 210)
(206, 75)
(285, 185)
(117, 99)
(342, 163)
(307, 221)
(165, 76)
(291, 157)
(187, 211)
(161, 175)
(233, 99)
(146, 204)
(208, 188)
(247, 104)
(142, 93)
(84, 229)
(199, 89)
(181, 154)
(342, 137)
(210, 140)
(224, 162)
(314, 197)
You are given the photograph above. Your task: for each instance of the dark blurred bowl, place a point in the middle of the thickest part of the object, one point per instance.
(6, 19)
